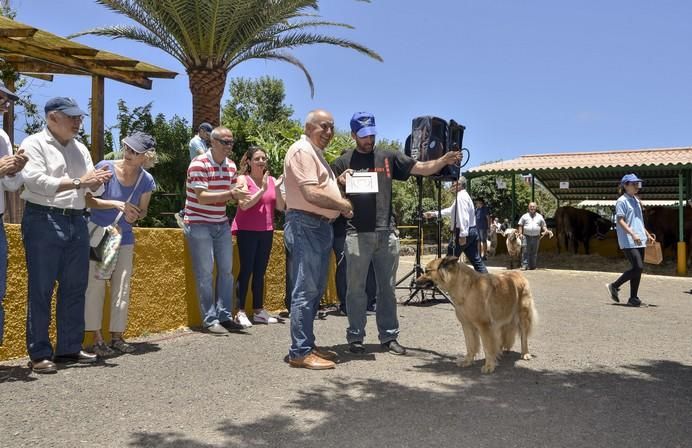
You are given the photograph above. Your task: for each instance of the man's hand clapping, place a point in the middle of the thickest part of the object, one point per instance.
(240, 193)
(96, 178)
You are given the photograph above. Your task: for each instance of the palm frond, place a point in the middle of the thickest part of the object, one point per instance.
(294, 40)
(137, 34)
(220, 34)
(286, 57)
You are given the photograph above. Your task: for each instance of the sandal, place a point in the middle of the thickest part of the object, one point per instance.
(122, 346)
(101, 349)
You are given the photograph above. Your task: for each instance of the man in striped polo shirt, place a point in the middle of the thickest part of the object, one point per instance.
(210, 185)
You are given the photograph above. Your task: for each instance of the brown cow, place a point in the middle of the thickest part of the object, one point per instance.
(663, 222)
(576, 225)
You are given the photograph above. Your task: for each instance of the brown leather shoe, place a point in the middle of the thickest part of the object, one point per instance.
(324, 354)
(312, 361)
(43, 366)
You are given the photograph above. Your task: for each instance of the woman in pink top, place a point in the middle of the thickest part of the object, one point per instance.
(254, 229)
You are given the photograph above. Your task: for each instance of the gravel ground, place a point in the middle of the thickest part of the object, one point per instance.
(603, 376)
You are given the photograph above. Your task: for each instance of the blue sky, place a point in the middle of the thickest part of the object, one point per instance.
(525, 77)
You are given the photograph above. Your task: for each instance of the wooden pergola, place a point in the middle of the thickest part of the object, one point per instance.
(40, 54)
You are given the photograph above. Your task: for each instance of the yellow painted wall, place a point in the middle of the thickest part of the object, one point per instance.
(163, 296)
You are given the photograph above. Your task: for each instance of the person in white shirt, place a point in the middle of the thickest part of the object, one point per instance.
(201, 142)
(56, 240)
(10, 180)
(463, 224)
(531, 228)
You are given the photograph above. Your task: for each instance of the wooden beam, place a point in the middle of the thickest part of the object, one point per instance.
(41, 76)
(79, 51)
(115, 62)
(25, 48)
(17, 32)
(97, 105)
(44, 67)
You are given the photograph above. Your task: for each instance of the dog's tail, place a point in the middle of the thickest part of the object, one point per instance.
(528, 313)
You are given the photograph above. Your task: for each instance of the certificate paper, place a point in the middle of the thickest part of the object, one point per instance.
(361, 183)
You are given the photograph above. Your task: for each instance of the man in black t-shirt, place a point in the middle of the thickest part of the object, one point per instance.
(370, 235)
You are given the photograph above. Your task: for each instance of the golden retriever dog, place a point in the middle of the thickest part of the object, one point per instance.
(491, 308)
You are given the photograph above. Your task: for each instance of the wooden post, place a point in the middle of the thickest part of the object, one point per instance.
(97, 104)
(533, 188)
(8, 117)
(14, 206)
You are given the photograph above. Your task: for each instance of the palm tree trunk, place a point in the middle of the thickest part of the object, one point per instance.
(206, 86)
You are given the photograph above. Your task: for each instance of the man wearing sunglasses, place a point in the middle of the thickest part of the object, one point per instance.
(10, 180)
(211, 184)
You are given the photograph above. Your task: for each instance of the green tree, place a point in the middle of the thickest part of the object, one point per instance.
(500, 200)
(211, 37)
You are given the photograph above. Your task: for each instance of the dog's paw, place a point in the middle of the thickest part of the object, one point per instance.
(488, 368)
(526, 356)
(464, 361)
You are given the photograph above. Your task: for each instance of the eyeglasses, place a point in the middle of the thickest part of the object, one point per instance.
(225, 142)
(130, 150)
(72, 117)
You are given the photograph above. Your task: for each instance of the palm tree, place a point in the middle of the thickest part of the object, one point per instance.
(211, 37)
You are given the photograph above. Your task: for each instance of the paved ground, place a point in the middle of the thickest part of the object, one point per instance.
(603, 376)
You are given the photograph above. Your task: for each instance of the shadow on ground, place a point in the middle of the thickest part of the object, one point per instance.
(634, 406)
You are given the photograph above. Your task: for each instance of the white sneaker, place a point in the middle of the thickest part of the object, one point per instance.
(264, 318)
(215, 329)
(241, 319)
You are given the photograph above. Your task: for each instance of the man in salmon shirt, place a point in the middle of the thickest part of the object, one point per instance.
(313, 202)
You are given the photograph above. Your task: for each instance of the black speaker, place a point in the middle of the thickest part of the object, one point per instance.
(428, 139)
(455, 131)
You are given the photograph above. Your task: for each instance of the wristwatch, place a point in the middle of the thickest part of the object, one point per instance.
(77, 183)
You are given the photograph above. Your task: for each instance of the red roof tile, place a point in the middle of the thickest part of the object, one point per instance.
(600, 159)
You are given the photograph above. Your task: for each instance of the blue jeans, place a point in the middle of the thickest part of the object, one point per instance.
(470, 249)
(209, 244)
(308, 241)
(382, 250)
(57, 249)
(529, 252)
(3, 276)
(340, 276)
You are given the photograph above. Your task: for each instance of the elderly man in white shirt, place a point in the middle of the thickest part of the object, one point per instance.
(531, 227)
(463, 225)
(56, 241)
(10, 180)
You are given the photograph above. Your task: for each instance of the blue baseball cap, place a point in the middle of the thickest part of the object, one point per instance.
(629, 178)
(363, 124)
(140, 142)
(68, 106)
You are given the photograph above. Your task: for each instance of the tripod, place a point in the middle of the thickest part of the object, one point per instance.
(417, 270)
